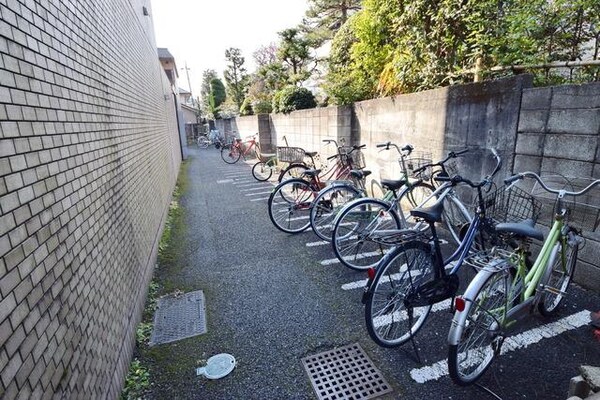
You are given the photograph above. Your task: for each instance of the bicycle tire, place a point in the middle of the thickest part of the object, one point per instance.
(289, 205)
(353, 226)
(230, 154)
(292, 171)
(473, 329)
(558, 278)
(399, 273)
(261, 171)
(326, 206)
(203, 142)
(377, 191)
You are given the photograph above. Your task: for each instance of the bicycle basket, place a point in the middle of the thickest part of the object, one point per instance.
(583, 211)
(511, 205)
(290, 154)
(416, 161)
(356, 159)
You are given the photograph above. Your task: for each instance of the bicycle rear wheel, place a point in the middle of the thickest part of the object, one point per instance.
(559, 277)
(389, 322)
(353, 228)
(261, 171)
(326, 206)
(476, 328)
(230, 154)
(203, 142)
(456, 217)
(289, 205)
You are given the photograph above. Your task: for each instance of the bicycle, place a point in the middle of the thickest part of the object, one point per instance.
(231, 153)
(290, 202)
(212, 138)
(412, 276)
(336, 195)
(359, 227)
(270, 164)
(508, 288)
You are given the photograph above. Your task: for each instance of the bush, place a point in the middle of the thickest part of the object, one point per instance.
(292, 98)
(262, 107)
(246, 108)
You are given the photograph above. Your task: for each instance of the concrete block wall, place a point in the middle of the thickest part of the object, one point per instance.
(559, 132)
(89, 155)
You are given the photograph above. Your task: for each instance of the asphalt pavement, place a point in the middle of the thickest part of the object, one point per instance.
(271, 300)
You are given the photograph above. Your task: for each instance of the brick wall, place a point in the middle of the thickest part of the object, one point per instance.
(89, 154)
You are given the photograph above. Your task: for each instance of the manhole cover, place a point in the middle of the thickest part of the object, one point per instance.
(179, 317)
(345, 373)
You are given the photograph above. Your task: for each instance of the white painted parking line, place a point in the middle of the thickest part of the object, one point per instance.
(319, 243)
(256, 188)
(257, 194)
(225, 181)
(332, 261)
(398, 316)
(237, 175)
(240, 182)
(250, 184)
(511, 343)
(260, 199)
(361, 283)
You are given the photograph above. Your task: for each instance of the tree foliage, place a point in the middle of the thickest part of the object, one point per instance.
(393, 46)
(236, 77)
(325, 17)
(292, 98)
(294, 53)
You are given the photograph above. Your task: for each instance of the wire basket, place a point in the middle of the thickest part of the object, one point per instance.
(353, 158)
(290, 154)
(416, 161)
(582, 212)
(511, 204)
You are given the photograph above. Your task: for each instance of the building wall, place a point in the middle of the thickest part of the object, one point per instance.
(89, 155)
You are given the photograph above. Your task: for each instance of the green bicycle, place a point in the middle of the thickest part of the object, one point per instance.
(508, 288)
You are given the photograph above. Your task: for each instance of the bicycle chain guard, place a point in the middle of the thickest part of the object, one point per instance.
(432, 292)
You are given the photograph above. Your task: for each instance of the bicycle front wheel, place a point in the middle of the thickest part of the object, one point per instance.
(289, 205)
(261, 171)
(326, 206)
(559, 277)
(292, 171)
(456, 217)
(475, 337)
(230, 154)
(389, 321)
(354, 229)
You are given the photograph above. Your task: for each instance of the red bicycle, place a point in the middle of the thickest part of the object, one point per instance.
(231, 153)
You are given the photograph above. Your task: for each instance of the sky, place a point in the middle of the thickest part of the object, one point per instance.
(198, 32)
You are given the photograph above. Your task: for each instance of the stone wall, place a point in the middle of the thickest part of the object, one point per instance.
(89, 155)
(538, 129)
(559, 132)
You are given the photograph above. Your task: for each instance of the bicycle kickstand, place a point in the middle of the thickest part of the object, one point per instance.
(417, 356)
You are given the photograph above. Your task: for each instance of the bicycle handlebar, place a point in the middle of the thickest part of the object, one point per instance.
(452, 154)
(407, 148)
(459, 179)
(530, 174)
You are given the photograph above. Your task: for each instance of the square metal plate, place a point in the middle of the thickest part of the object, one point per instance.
(345, 373)
(179, 317)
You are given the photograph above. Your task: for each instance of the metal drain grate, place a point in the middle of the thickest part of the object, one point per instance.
(179, 317)
(345, 373)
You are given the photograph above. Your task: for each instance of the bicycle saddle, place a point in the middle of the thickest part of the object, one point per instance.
(359, 174)
(392, 184)
(523, 228)
(311, 153)
(429, 214)
(312, 172)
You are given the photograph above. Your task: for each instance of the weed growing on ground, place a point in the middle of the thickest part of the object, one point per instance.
(137, 381)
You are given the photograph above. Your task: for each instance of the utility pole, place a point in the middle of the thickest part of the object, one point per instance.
(187, 73)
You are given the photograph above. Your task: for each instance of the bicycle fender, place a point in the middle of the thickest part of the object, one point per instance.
(460, 317)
